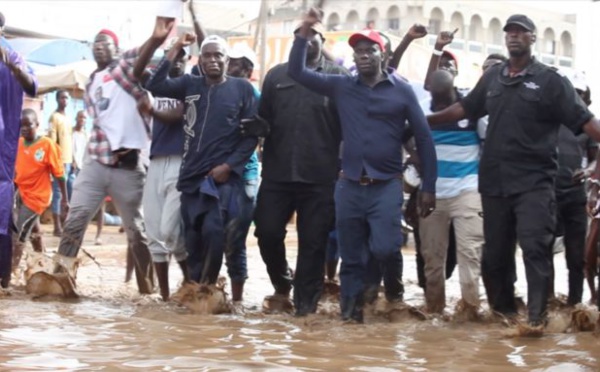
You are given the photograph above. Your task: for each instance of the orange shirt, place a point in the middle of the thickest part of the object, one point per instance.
(35, 164)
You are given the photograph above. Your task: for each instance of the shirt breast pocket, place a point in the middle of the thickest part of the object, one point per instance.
(493, 98)
(232, 112)
(286, 94)
(529, 106)
(383, 110)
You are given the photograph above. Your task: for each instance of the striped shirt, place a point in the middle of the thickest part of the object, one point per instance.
(457, 146)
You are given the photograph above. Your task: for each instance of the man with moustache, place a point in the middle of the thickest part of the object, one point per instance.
(113, 165)
(373, 107)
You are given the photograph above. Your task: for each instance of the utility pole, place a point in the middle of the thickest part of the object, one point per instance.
(261, 30)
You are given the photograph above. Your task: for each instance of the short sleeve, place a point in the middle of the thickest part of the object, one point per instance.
(567, 106)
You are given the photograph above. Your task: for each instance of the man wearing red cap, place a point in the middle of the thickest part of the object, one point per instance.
(373, 107)
(16, 78)
(113, 165)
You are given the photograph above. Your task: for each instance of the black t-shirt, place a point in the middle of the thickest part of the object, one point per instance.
(525, 113)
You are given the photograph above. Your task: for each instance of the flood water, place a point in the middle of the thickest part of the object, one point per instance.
(113, 328)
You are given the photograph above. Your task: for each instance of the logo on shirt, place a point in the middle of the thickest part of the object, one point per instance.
(531, 85)
(39, 155)
(101, 102)
(189, 121)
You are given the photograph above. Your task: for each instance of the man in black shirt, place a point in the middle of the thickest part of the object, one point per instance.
(300, 167)
(575, 163)
(526, 102)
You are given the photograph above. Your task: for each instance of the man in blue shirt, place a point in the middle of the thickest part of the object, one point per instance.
(373, 109)
(215, 153)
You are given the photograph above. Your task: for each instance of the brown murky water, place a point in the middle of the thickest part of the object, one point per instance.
(113, 328)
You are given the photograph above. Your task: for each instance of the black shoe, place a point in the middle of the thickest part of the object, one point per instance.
(371, 294)
(352, 309)
(394, 298)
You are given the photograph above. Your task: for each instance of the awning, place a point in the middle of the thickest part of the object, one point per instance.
(50, 52)
(71, 77)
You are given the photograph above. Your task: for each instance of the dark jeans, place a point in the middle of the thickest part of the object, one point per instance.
(313, 203)
(368, 221)
(528, 217)
(236, 258)
(571, 217)
(205, 221)
(6, 248)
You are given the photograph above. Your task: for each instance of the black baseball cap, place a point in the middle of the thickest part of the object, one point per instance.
(521, 20)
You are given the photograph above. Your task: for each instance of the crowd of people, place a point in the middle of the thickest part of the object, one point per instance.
(178, 154)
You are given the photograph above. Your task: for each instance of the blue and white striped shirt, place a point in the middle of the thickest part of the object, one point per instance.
(457, 146)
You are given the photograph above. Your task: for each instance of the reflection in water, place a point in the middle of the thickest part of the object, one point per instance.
(113, 328)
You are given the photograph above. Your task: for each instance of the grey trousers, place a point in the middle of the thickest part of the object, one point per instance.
(162, 213)
(125, 187)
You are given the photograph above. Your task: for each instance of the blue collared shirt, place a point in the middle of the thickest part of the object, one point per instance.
(372, 121)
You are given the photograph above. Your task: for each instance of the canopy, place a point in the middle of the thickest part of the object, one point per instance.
(72, 77)
(50, 52)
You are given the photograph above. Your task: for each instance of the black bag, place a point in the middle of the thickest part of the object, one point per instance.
(127, 158)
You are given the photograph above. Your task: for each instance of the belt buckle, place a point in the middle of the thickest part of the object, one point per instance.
(364, 181)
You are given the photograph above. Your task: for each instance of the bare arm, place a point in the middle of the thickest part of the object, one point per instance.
(198, 29)
(453, 113)
(162, 28)
(417, 31)
(170, 117)
(443, 39)
(328, 55)
(592, 129)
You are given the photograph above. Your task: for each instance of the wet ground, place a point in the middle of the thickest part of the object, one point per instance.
(112, 328)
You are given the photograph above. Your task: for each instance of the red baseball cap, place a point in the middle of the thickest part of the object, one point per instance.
(110, 34)
(451, 55)
(369, 35)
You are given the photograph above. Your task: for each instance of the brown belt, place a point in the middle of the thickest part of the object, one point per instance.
(364, 180)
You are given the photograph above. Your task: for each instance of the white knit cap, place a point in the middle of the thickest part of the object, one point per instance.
(215, 39)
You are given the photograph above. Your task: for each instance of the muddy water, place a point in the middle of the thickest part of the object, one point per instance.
(112, 328)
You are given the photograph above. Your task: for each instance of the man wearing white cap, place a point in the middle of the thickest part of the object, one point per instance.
(214, 154)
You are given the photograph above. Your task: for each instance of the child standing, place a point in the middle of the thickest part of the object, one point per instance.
(38, 158)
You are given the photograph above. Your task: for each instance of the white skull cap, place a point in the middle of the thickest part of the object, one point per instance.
(242, 50)
(215, 39)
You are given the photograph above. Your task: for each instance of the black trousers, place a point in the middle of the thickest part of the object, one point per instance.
(314, 206)
(572, 222)
(528, 217)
